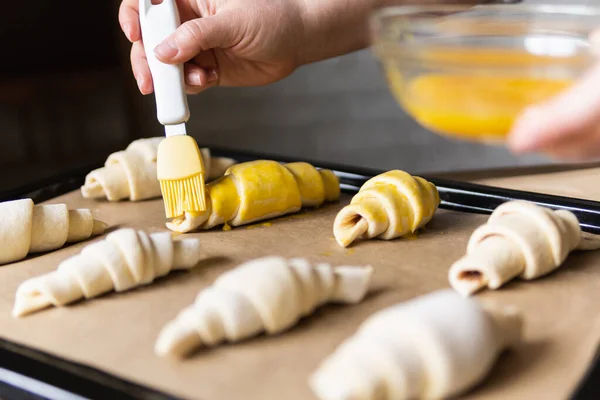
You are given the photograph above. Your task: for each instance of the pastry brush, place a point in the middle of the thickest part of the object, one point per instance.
(180, 167)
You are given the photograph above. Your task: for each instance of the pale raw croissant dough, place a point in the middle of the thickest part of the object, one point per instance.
(131, 173)
(432, 347)
(268, 294)
(519, 239)
(26, 228)
(258, 190)
(125, 259)
(387, 206)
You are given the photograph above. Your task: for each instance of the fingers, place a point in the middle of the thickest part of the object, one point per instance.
(198, 76)
(140, 68)
(586, 148)
(197, 35)
(198, 79)
(190, 40)
(129, 20)
(571, 120)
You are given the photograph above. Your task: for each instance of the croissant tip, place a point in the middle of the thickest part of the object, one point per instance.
(465, 279)
(19, 310)
(92, 190)
(164, 343)
(177, 339)
(349, 225)
(173, 227)
(182, 224)
(325, 388)
(167, 348)
(99, 228)
(343, 242)
(466, 288)
(161, 349)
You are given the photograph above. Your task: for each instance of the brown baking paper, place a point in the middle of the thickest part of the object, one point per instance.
(116, 332)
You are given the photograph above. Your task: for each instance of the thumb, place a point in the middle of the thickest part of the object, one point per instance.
(194, 36)
(570, 114)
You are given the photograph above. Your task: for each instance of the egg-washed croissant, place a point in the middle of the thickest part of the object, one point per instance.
(258, 190)
(26, 228)
(268, 294)
(131, 173)
(387, 206)
(433, 347)
(125, 259)
(519, 239)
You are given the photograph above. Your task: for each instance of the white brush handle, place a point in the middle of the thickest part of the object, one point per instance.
(158, 21)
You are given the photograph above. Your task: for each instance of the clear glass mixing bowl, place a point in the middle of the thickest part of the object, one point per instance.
(468, 72)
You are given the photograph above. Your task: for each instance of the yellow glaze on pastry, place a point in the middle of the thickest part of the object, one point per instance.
(264, 188)
(224, 188)
(258, 190)
(388, 206)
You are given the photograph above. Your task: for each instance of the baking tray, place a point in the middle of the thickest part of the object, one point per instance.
(28, 373)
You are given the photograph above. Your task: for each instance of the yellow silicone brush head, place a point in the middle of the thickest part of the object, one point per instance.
(180, 170)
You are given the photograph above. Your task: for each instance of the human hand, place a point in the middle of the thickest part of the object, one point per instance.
(567, 127)
(252, 43)
(222, 42)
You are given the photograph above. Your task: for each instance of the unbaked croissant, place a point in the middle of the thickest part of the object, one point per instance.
(125, 259)
(26, 228)
(131, 173)
(268, 294)
(258, 190)
(432, 347)
(387, 206)
(519, 239)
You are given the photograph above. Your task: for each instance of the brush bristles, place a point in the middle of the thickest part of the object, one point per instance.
(183, 195)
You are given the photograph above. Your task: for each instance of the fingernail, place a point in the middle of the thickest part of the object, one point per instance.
(212, 76)
(127, 29)
(140, 83)
(193, 78)
(167, 49)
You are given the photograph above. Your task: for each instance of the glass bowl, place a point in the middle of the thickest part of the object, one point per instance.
(468, 71)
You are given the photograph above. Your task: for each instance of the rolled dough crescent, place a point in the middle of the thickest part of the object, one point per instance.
(131, 173)
(520, 239)
(26, 228)
(435, 346)
(125, 259)
(387, 206)
(258, 190)
(268, 294)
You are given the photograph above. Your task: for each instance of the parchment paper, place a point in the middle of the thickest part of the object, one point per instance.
(116, 332)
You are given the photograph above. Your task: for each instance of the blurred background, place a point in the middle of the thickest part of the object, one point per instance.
(68, 98)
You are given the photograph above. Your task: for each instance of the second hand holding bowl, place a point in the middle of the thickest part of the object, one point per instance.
(469, 72)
